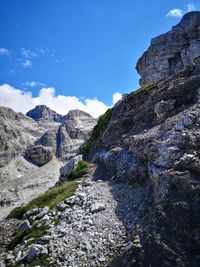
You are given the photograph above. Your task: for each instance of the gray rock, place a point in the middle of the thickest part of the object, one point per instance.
(31, 213)
(66, 170)
(163, 108)
(23, 226)
(44, 211)
(62, 206)
(2, 263)
(39, 155)
(44, 240)
(35, 250)
(98, 207)
(172, 51)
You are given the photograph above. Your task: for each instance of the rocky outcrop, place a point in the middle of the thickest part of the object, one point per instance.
(26, 144)
(39, 155)
(152, 140)
(69, 167)
(17, 132)
(172, 51)
(42, 112)
(73, 132)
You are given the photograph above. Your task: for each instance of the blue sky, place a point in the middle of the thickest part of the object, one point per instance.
(87, 49)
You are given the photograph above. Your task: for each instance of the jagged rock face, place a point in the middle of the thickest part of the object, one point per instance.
(73, 132)
(172, 51)
(152, 139)
(17, 131)
(42, 112)
(39, 155)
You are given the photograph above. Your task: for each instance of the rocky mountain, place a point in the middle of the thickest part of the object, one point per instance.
(42, 112)
(152, 141)
(138, 202)
(172, 51)
(33, 142)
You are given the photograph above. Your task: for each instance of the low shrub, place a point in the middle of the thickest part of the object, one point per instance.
(102, 122)
(50, 198)
(35, 232)
(81, 169)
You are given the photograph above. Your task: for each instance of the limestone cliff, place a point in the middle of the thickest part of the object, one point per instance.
(152, 140)
(172, 51)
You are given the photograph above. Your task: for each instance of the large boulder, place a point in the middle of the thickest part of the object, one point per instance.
(39, 155)
(69, 167)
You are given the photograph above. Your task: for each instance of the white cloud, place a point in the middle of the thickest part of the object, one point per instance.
(4, 51)
(27, 63)
(175, 12)
(23, 101)
(33, 84)
(116, 97)
(28, 53)
(190, 7)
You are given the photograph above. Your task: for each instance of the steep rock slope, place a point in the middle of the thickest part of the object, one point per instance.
(171, 52)
(152, 139)
(17, 132)
(26, 144)
(43, 112)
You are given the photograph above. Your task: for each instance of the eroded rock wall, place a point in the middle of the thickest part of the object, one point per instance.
(172, 51)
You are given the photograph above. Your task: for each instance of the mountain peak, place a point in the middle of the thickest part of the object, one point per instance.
(42, 112)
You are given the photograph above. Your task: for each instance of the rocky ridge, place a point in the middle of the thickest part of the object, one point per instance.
(27, 145)
(140, 205)
(87, 229)
(172, 51)
(152, 140)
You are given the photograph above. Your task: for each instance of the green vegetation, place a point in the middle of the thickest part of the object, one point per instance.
(35, 232)
(56, 220)
(81, 169)
(51, 198)
(40, 261)
(146, 88)
(102, 122)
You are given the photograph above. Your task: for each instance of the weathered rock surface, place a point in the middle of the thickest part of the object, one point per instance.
(39, 155)
(172, 51)
(152, 139)
(26, 144)
(42, 112)
(89, 231)
(73, 132)
(69, 167)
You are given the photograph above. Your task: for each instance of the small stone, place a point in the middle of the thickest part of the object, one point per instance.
(23, 226)
(19, 254)
(98, 207)
(42, 213)
(46, 218)
(62, 206)
(2, 263)
(36, 250)
(30, 213)
(44, 240)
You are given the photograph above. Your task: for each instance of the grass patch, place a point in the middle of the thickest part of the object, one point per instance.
(102, 122)
(35, 233)
(51, 198)
(81, 169)
(146, 87)
(42, 260)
